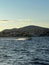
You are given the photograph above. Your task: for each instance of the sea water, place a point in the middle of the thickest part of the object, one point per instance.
(24, 52)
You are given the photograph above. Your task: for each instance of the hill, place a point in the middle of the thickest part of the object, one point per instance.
(27, 31)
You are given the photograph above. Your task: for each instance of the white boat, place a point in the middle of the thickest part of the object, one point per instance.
(27, 38)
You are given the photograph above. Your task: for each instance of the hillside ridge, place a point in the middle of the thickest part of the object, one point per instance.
(27, 31)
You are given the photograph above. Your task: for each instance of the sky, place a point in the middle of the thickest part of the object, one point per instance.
(20, 13)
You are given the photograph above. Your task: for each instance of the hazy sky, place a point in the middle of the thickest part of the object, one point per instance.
(24, 12)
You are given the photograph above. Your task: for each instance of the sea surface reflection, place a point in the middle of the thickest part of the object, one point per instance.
(24, 52)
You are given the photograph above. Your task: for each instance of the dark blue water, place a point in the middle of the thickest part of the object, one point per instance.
(24, 52)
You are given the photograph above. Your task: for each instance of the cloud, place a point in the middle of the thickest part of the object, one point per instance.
(4, 24)
(18, 20)
(23, 20)
(3, 20)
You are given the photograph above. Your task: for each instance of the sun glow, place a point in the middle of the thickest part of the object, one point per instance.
(8, 24)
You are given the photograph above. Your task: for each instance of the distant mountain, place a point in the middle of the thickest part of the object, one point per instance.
(27, 31)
